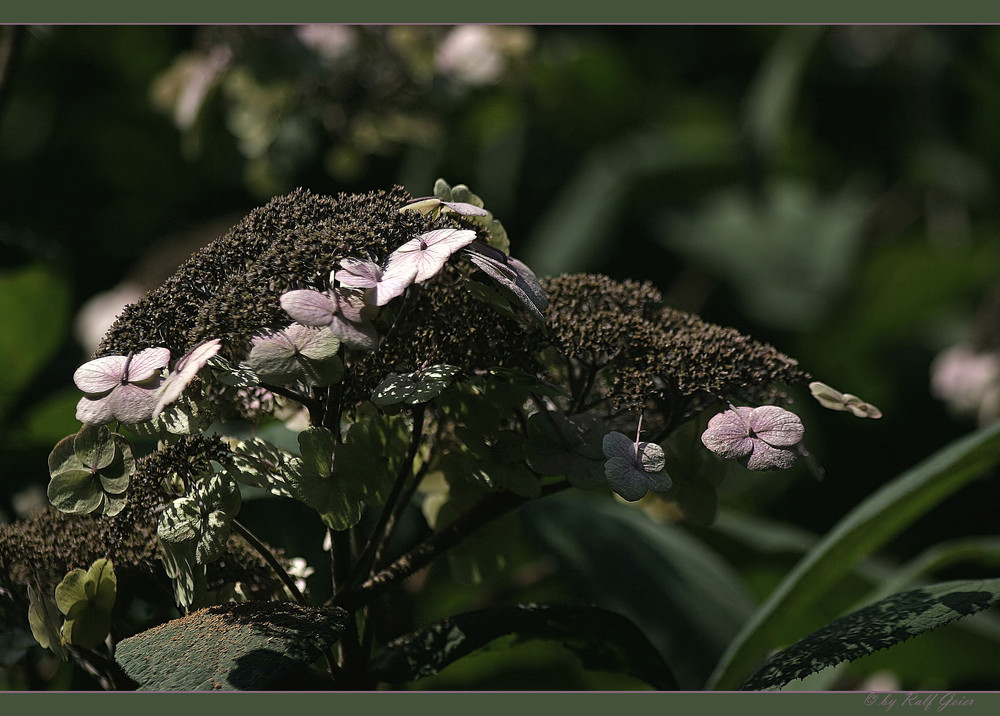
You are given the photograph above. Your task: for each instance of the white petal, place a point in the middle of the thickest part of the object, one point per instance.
(95, 412)
(100, 375)
(145, 364)
(132, 404)
(358, 273)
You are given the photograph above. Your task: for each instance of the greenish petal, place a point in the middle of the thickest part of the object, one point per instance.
(63, 457)
(76, 491)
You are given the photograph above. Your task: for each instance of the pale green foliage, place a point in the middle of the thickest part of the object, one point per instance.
(90, 471)
(86, 599)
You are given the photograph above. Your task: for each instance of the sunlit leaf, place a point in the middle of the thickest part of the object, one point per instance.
(204, 517)
(252, 645)
(413, 388)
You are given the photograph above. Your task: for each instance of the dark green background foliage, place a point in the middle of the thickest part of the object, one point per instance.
(830, 191)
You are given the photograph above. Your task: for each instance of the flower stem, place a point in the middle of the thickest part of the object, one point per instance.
(271, 560)
(488, 509)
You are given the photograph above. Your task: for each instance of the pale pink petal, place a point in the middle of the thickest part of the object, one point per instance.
(311, 308)
(145, 364)
(100, 375)
(132, 404)
(360, 336)
(777, 426)
(427, 253)
(94, 411)
(728, 434)
(358, 273)
(390, 287)
(766, 457)
(398, 275)
(351, 305)
(461, 207)
(184, 372)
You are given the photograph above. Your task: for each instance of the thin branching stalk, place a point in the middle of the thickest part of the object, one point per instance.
(271, 560)
(488, 509)
(379, 534)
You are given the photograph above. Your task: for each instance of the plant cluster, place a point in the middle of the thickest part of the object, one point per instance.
(418, 363)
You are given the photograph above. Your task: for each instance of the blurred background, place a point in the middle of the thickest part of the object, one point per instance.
(830, 190)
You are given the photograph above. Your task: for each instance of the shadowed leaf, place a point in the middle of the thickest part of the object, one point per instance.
(877, 626)
(601, 639)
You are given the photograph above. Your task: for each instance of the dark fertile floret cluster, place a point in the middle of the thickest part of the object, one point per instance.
(650, 350)
(230, 289)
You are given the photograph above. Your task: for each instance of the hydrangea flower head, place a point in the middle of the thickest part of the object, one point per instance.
(123, 388)
(764, 438)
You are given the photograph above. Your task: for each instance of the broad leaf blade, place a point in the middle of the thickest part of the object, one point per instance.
(686, 599)
(600, 638)
(877, 626)
(251, 644)
(866, 528)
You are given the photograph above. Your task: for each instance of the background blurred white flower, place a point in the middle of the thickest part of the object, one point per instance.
(968, 382)
(479, 54)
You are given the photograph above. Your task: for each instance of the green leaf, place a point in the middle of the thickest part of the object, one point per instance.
(252, 645)
(204, 517)
(414, 388)
(336, 501)
(188, 577)
(498, 462)
(316, 448)
(877, 626)
(372, 455)
(34, 312)
(189, 415)
(180, 521)
(234, 376)
(866, 528)
(258, 463)
(485, 553)
(570, 446)
(601, 639)
(338, 498)
(685, 598)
